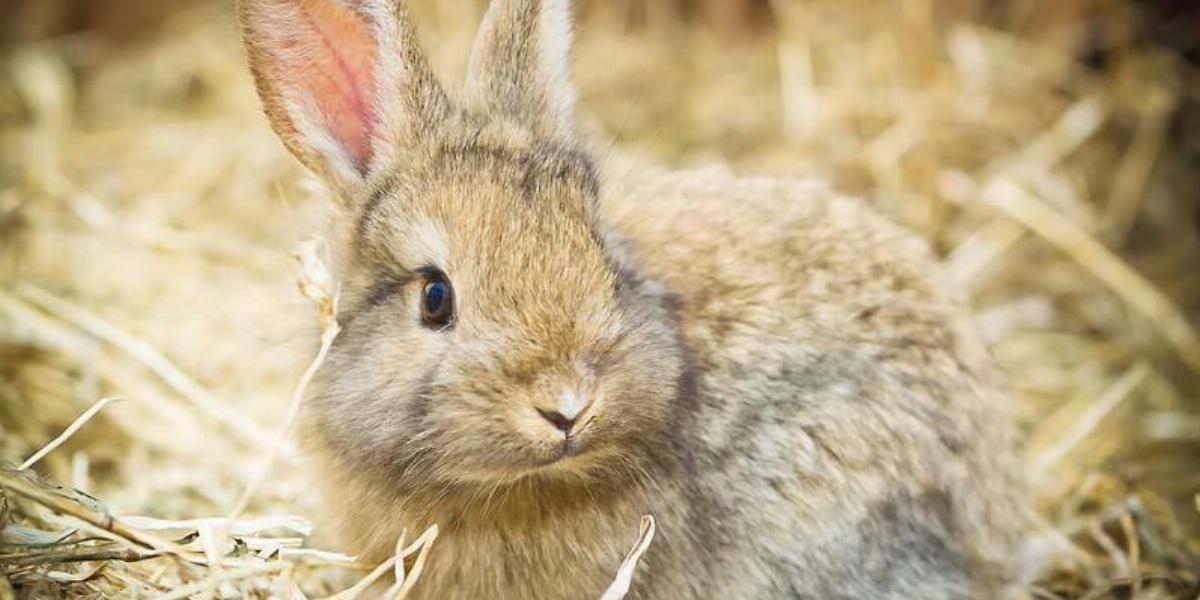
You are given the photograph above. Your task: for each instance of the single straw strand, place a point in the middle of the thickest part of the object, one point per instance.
(624, 578)
(67, 433)
(288, 423)
(1108, 401)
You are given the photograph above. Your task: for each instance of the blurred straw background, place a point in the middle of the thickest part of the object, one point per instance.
(1050, 151)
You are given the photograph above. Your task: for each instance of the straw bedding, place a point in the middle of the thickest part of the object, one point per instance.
(148, 221)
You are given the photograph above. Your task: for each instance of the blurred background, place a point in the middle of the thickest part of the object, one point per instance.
(1050, 152)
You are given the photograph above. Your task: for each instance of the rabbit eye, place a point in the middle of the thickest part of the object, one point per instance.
(437, 301)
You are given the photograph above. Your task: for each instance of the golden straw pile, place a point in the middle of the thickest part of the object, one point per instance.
(152, 339)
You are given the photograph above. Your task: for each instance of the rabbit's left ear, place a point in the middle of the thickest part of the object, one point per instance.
(520, 64)
(343, 82)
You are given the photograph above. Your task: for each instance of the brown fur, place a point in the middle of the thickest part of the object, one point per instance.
(772, 370)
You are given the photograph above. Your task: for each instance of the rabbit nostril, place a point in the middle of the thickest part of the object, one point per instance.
(557, 419)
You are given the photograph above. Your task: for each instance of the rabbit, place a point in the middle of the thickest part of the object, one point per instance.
(535, 353)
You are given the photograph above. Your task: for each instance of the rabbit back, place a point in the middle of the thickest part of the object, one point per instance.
(844, 429)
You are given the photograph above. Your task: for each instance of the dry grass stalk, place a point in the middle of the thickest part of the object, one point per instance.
(20, 485)
(88, 554)
(67, 433)
(406, 579)
(1086, 423)
(318, 286)
(1133, 173)
(365, 583)
(620, 585)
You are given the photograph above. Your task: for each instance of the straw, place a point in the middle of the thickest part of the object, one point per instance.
(1045, 150)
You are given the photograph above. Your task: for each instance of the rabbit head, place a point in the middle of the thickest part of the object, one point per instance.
(492, 333)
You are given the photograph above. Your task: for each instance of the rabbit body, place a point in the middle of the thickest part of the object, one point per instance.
(834, 435)
(844, 439)
(534, 355)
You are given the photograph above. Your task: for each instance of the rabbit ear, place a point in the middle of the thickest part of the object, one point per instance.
(520, 64)
(343, 82)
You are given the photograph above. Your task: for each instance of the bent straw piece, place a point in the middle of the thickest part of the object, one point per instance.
(980, 249)
(236, 527)
(405, 582)
(317, 284)
(425, 542)
(151, 358)
(624, 578)
(1023, 207)
(398, 572)
(357, 589)
(1103, 406)
(67, 433)
(289, 421)
(1077, 124)
(325, 557)
(18, 484)
(1132, 176)
(78, 554)
(1131, 540)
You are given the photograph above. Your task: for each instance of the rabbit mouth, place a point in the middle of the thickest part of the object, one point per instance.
(567, 449)
(567, 456)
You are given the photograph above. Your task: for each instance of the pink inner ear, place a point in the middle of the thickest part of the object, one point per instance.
(329, 54)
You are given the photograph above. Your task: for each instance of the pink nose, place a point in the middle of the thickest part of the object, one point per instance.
(557, 419)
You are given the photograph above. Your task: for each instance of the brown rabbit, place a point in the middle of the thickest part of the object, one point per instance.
(533, 357)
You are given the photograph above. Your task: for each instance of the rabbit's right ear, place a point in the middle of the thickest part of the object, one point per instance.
(343, 82)
(520, 64)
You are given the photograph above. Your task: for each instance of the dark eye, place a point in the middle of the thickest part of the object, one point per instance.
(437, 301)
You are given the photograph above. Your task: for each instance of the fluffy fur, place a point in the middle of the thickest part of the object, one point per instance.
(772, 370)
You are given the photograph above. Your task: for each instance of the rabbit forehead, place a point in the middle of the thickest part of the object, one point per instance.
(536, 271)
(514, 233)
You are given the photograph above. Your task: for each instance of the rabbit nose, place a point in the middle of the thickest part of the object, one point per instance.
(557, 419)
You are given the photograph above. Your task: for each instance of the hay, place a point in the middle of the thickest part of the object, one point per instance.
(147, 216)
